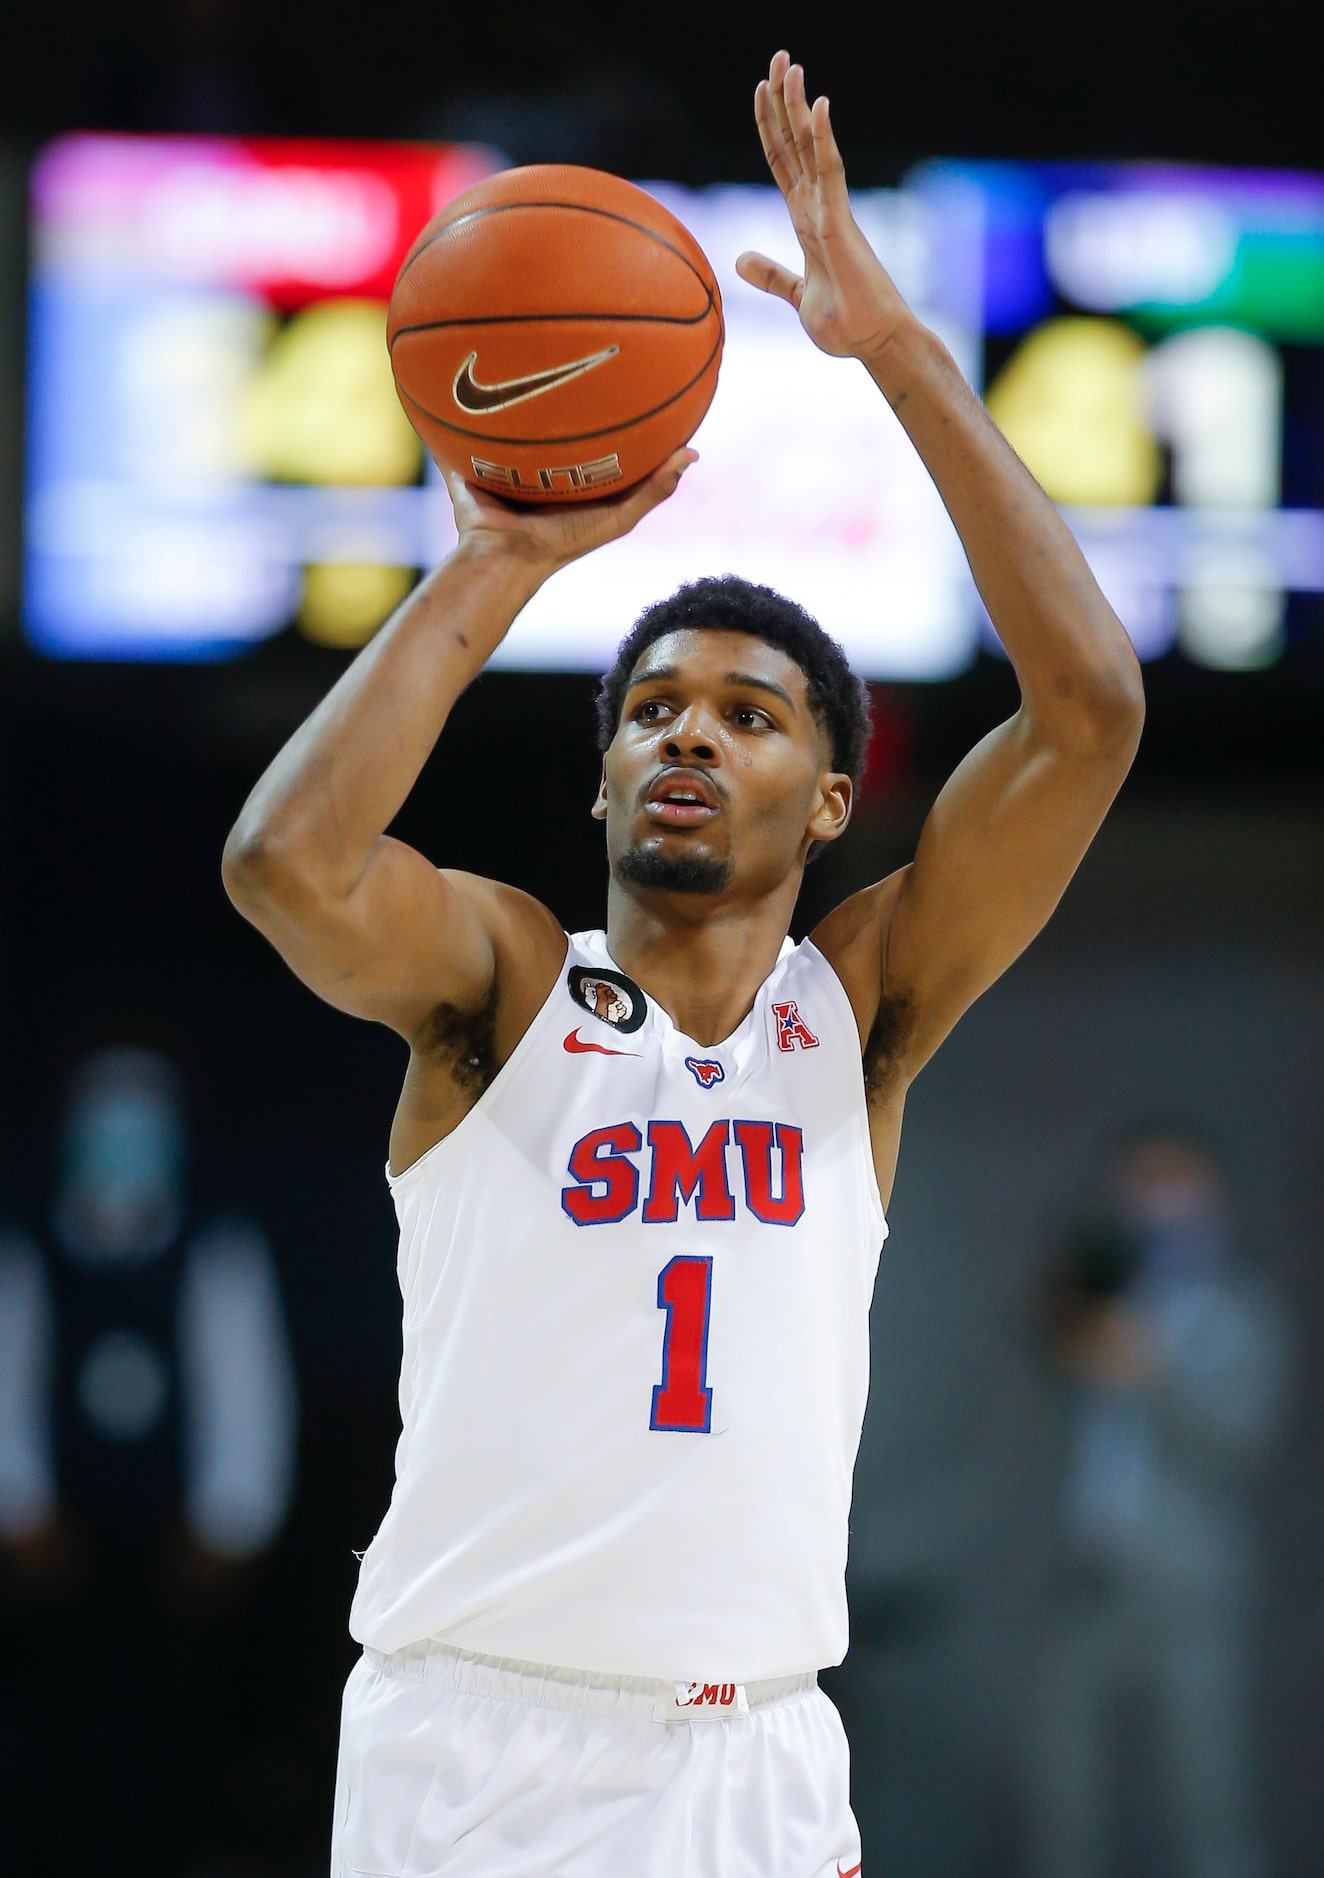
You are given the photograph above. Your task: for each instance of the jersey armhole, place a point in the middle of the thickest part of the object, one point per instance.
(846, 1010)
(512, 1063)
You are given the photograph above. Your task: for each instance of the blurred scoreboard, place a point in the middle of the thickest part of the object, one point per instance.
(215, 452)
(211, 419)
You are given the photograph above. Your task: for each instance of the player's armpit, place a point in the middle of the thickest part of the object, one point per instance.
(995, 856)
(853, 940)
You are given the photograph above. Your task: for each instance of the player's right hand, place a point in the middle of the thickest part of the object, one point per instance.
(554, 535)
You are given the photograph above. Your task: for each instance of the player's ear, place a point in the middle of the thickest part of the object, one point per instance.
(599, 809)
(831, 816)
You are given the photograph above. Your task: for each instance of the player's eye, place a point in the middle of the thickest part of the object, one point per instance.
(651, 711)
(748, 717)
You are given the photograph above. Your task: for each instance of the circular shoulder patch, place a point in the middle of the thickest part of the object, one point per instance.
(613, 997)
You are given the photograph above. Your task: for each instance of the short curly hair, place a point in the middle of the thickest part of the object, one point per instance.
(726, 603)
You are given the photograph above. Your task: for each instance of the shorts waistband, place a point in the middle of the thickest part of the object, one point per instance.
(543, 1685)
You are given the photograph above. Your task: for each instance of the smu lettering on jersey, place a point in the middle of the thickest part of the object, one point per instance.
(636, 1282)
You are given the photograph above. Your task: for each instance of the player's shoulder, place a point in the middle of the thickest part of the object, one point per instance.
(853, 939)
(509, 915)
(500, 904)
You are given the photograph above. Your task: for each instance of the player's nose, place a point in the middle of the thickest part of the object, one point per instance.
(691, 737)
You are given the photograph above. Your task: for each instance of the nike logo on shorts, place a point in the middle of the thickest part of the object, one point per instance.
(475, 397)
(575, 1044)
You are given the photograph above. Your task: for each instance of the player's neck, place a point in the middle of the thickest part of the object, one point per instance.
(702, 961)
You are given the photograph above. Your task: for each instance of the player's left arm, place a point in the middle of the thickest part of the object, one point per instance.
(1010, 827)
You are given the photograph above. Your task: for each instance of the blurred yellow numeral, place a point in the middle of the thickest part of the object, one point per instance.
(1071, 403)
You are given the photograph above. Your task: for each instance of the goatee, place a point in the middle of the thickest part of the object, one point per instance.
(673, 873)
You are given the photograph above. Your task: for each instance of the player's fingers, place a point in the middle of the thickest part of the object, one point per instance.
(653, 489)
(827, 158)
(770, 277)
(799, 120)
(781, 122)
(656, 488)
(670, 473)
(770, 136)
(464, 496)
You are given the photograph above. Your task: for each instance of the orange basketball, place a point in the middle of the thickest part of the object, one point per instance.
(555, 334)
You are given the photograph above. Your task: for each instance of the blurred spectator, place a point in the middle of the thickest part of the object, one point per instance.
(1171, 1363)
(147, 1444)
(146, 1378)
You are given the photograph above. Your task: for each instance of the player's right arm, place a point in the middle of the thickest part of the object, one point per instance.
(363, 919)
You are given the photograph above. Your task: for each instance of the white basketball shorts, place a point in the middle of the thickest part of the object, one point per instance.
(460, 1766)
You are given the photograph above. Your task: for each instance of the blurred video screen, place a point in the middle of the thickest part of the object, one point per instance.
(216, 453)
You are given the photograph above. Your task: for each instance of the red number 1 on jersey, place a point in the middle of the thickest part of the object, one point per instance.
(682, 1400)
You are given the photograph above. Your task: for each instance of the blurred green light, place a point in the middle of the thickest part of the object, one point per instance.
(1275, 286)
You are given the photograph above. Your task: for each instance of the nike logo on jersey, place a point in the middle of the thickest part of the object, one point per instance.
(475, 397)
(854, 1870)
(575, 1044)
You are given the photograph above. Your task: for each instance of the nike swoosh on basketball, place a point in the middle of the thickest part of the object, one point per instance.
(473, 396)
(577, 1047)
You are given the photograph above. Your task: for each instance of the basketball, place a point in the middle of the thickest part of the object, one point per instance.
(555, 334)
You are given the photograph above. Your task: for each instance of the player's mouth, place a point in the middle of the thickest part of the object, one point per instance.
(681, 798)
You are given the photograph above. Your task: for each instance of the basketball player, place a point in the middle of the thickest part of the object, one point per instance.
(640, 1174)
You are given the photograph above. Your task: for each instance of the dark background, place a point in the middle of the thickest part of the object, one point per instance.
(1184, 971)
(668, 86)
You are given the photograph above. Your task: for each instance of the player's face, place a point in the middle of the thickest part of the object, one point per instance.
(718, 776)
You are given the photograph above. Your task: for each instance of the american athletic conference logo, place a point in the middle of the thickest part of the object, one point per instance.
(790, 1029)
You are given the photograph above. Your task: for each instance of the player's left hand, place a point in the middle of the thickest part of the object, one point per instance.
(562, 531)
(846, 300)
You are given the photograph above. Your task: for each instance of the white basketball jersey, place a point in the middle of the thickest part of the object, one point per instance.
(636, 1283)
